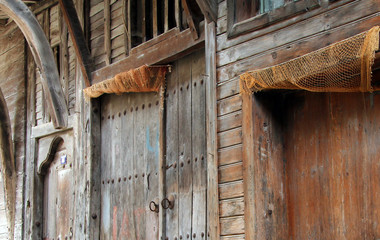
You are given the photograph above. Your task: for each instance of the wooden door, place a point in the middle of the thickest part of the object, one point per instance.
(130, 160)
(186, 160)
(312, 165)
(129, 166)
(58, 200)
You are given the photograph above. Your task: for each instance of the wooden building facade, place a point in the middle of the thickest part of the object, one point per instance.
(197, 158)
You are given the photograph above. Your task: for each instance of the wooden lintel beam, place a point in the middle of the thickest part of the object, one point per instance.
(160, 53)
(209, 9)
(7, 165)
(43, 56)
(80, 45)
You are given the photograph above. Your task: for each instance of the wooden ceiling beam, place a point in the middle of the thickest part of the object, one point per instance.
(80, 45)
(209, 9)
(191, 20)
(43, 56)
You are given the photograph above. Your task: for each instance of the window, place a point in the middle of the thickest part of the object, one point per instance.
(250, 15)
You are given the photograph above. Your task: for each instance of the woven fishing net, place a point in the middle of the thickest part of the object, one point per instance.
(341, 67)
(142, 79)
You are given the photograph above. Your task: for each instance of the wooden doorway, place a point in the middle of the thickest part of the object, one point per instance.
(58, 194)
(131, 207)
(312, 165)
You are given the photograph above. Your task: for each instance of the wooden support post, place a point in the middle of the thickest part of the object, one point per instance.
(7, 165)
(248, 166)
(43, 56)
(80, 45)
(211, 127)
(107, 31)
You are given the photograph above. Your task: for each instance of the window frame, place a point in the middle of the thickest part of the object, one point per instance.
(289, 13)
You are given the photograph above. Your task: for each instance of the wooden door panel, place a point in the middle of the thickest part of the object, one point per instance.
(58, 198)
(314, 159)
(130, 159)
(129, 166)
(332, 151)
(186, 174)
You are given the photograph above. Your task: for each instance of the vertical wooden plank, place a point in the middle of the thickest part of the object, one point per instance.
(199, 160)
(177, 10)
(166, 16)
(155, 20)
(128, 131)
(172, 156)
(64, 55)
(211, 133)
(117, 205)
(153, 117)
(162, 163)
(46, 28)
(143, 20)
(106, 146)
(248, 167)
(107, 30)
(126, 22)
(185, 187)
(139, 166)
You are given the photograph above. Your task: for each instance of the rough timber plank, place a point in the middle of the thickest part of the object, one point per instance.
(213, 227)
(229, 121)
(230, 155)
(185, 186)
(231, 190)
(232, 207)
(199, 157)
(231, 225)
(172, 155)
(230, 173)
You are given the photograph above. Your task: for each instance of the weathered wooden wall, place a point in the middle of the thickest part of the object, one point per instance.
(262, 48)
(12, 83)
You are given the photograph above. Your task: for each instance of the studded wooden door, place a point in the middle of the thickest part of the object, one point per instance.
(186, 160)
(130, 129)
(129, 166)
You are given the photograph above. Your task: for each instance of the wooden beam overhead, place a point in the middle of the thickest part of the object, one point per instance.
(163, 52)
(192, 20)
(43, 56)
(81, 49)
(209, 9)
(7, 164)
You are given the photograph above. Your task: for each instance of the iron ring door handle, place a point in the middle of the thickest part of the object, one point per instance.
(167, 203)
(153, 207)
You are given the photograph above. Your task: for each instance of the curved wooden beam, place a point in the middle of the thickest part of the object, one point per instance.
(7, 164)
(43, 56)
